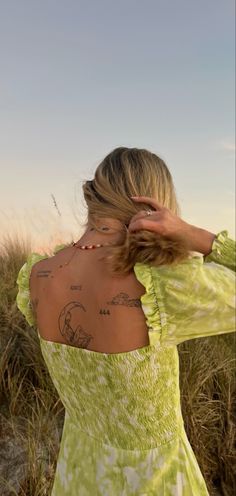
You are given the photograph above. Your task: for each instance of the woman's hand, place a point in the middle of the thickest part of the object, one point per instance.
(167, 224)
(162, 220)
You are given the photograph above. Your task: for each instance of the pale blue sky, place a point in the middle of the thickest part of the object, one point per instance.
(79, 78)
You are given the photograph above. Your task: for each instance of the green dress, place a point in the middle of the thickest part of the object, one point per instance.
(123, 432)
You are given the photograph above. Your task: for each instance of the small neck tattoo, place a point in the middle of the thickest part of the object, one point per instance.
(103, 228)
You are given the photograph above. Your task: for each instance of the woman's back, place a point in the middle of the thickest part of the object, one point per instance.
(82, 305)
(123, 431)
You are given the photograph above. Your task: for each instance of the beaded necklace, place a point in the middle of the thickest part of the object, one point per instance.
(87, 247)
(91, 247)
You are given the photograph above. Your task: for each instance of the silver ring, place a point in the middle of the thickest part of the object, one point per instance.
(149, 212)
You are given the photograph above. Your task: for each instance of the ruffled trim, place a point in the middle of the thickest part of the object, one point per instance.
(219, 243)
(23, 282)
(23, 279)
(223, 250)
(152, 302)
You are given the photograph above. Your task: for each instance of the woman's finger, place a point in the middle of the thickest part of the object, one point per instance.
(150, 201)
(144, 224)
(140, 215)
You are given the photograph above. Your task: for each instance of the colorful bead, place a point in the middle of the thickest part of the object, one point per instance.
(91, 247)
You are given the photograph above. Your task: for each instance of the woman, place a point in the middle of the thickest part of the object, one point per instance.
(110, 310)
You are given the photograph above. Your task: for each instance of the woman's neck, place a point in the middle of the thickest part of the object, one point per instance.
(113, 225)
(111, 231)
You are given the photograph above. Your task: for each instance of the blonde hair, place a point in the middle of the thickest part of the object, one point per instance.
(127, 172)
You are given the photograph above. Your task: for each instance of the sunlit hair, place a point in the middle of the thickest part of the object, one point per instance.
(127, 172)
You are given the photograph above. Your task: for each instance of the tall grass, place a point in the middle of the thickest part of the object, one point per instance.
(32, 415)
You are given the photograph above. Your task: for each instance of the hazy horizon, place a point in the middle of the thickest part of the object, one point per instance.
(81, 78)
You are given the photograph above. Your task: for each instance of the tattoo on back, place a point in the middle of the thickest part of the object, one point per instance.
(69, 329)
(103, 311)
(43, 273)
(124, 299)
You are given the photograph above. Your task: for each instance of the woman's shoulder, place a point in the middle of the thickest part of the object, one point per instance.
(23, 283)
(155, 280)
(35, 261)
(146, 272)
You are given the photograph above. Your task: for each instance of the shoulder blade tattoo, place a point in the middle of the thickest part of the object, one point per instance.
(124, 299)
(104, 311)
(43, 273)
(70, 329)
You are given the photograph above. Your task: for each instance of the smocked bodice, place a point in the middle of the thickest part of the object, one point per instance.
(128, 400)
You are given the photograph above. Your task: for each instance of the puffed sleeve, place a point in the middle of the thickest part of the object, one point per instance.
(223, 251)
(193, 299)
(23, 295)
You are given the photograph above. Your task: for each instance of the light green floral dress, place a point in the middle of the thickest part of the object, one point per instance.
(123, 433)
